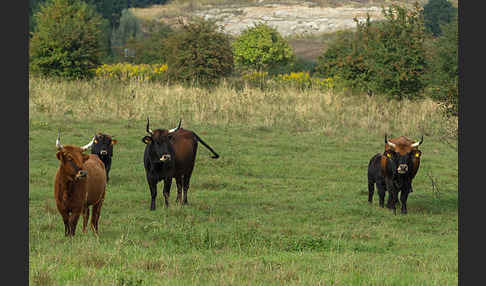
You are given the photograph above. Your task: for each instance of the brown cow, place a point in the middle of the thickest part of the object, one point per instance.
(394, 170)
(80, 182)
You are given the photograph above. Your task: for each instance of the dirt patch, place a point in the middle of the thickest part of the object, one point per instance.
(300, 19)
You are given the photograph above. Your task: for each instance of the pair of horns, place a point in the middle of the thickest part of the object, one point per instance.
(416, 144)
(59, 146)
(149, 131)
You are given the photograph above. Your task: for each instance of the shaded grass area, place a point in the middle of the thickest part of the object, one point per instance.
(278, 207)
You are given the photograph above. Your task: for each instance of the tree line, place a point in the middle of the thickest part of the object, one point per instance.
(111, 10)
(412, 53)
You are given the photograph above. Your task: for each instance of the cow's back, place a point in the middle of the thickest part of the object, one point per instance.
(185, 148)
(96, 179)
(374, 167)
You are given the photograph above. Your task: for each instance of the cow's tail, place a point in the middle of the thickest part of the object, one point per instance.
(215, 156)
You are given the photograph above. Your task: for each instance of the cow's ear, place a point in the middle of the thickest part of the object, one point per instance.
(59, 155)
(114, 141)
(147, 139)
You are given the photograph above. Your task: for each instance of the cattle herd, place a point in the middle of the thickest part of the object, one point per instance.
(81, 179)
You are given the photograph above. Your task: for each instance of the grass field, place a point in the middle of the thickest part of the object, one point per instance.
(285, 204)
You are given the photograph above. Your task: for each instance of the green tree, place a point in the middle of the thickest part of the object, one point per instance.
(345, 58)
(68, 40)
(199, 54)
(128, 29)
(262, 48)
(445, 68)
(385, 57)
(436, 13)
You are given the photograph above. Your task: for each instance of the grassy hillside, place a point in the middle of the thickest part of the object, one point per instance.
(286, 203)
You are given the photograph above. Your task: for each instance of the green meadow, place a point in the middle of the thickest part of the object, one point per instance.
(285, 204)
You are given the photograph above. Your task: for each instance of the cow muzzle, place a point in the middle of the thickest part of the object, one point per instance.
(81, 174)
(165, 158)
(103, 152)
(402, 168)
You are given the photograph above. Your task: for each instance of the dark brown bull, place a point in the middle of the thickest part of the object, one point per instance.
(394, 170)
(170, 154)
(80, 182)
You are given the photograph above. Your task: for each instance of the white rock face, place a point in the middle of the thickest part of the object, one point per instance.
(299, 19)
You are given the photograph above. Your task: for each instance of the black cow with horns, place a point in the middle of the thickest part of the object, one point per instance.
(103, 147)
(170, 154)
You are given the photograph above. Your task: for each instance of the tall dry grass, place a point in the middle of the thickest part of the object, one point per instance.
(312, 110)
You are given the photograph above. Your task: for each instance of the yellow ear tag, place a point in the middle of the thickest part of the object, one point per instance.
(388, 155)
(417, 154)
(95, 141)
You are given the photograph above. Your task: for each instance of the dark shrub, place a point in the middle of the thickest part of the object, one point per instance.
(199, 54)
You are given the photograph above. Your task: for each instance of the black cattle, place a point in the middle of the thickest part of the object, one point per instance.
(103, 147)
(375, 177)
(170, 154)
(393, 171)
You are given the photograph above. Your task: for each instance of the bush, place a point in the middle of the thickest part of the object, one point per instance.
(345, 59)
(385, 57)
(68, 39)
(262, 48)
(437, 13)
(199, 54)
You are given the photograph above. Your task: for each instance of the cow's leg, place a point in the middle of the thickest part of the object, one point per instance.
(96, 215)
(85, 217)
(65, 219)
(394, 201)
(186, 178)
(371, 190)
(403, 200)
(73, 219)
(381, 186)
(392, 195)
(153, 191)
(179, 189)
(167, 185)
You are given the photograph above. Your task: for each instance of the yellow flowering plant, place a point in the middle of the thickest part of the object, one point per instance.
(127, 71)
(303, 80)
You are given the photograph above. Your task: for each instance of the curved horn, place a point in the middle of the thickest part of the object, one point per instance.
(86, 147)
(58, 141)
(177, 128)
(148, 129)
(389, 143)
(416, 144)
